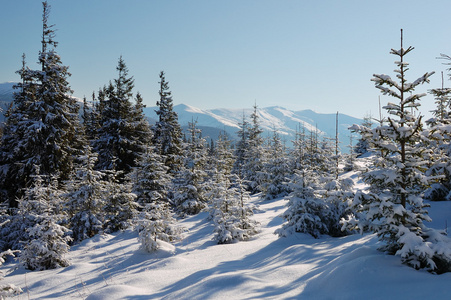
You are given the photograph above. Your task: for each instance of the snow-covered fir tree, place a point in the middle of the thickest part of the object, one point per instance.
(221, 172)
(363, 146)
(48, 241)
(337, 194)
(349, 158)
(222, 160)
(306, 212)
(167, 133)
(298, 151)
(91, 117)
(156, 223)
(319, 199)
(85, 198)
(151, 180)
(122, 136)
(393, 206)
(327, 157)
(276, 170)
(439, 133)
(241, 147)
(229, 208)
(142, 133)
(120, 206)
(190, 186)
(231, 214)
(43, 121)
(255, 155)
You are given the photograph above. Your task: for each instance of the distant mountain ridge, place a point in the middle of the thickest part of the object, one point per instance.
(277, 118)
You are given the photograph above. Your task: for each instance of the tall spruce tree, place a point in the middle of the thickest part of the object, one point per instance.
(167, 133)
(122, 136)
(43, 123)
(393, 206)
(255, 156)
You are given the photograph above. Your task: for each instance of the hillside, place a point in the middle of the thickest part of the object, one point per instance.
(6, 95)
(267, 267)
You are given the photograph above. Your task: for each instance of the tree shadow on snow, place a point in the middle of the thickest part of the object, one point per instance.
(226, 276)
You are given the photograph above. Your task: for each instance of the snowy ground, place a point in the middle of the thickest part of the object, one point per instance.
(267, 267)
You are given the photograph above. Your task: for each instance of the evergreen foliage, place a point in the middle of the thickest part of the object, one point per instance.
(123, 136)
(167, 133)
(306, 210)
(43, 124)
(276, 171)
(363, 144)
(393, 205)
(221, 166)
(317, 204)
(151, 181)
(47, 242)
(85, 198)
(255, 155)
(231, 214)
(439, 134)
(120, 206)
(154, 223)
(241, 147)
(190, 186)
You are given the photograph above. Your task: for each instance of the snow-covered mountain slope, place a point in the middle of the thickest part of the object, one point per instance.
(284, 121)
(6, 95)
(6, 91)
(266, 267)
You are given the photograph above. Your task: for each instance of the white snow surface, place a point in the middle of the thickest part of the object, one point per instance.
(267, 267)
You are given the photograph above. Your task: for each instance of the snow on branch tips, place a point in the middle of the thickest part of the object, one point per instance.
(402, 51)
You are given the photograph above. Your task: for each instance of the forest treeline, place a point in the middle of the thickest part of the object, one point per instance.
(66, 176)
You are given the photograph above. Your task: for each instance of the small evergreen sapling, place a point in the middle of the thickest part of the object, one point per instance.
(156, 223)
(48, 241)
(232, 214)
(306, 210)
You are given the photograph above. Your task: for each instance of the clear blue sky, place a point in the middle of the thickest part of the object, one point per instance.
(316, 55)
